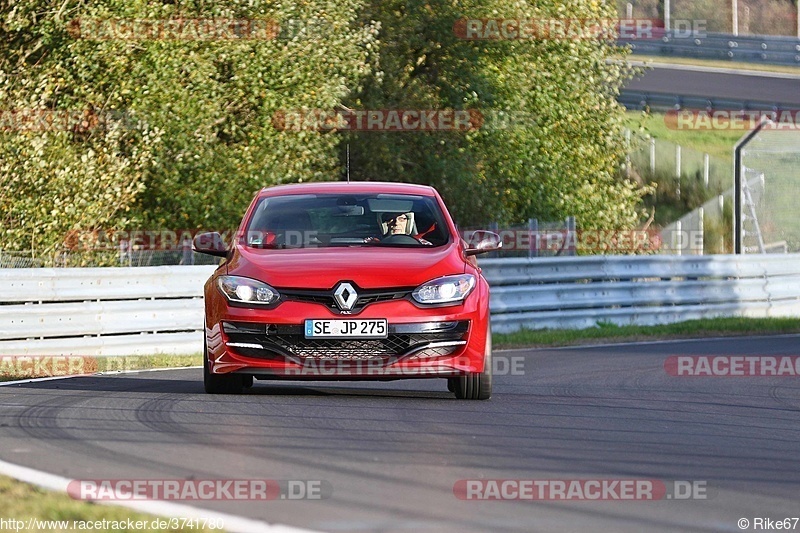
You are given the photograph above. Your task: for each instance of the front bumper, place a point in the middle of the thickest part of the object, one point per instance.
(435, 342)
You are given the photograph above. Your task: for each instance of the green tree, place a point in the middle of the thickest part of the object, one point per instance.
(563, 150)
(178, 132)
(191, 136)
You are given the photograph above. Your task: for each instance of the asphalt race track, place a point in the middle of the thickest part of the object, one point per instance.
(782, 89)
(392, 452)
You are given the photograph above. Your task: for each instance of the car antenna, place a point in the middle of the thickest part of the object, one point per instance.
(348, 162)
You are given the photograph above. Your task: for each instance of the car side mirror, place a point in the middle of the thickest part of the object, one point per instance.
(481, 242)
(210, 243)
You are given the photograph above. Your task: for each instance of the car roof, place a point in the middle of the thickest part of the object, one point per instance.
(330, 187)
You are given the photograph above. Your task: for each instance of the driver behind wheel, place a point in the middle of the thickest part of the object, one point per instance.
(397, 223)
(400, 224)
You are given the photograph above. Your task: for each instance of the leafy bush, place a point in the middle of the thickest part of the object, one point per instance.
(179, 133)
(196, 140)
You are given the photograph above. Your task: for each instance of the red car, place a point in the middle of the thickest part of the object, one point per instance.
(345, 280)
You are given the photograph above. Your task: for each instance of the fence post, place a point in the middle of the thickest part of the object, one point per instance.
(124, 257)
(652, 156)
(533, 229)
(705, 169)
(628, 152)
(701, 215)
(571, 236)
(187, 256)
(722, 218)
(678, 169)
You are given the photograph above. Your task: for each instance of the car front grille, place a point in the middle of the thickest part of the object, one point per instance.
(365, 297)
(270, 341)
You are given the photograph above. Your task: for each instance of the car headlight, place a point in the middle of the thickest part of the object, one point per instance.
(449, 289)
(246, 290)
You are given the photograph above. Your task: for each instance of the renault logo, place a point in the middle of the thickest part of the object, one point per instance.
(345, 296)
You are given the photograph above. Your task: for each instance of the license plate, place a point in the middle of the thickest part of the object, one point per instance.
(347, 329)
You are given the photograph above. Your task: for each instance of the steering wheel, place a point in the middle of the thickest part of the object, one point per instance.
(399, 238)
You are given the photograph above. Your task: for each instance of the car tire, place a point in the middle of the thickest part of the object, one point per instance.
(220, 384)
(476, 385)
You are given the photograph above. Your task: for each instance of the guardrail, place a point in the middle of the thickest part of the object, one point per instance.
(579, 292)
(132, 311)
(102, 311)
(664, 102)
(777, 50)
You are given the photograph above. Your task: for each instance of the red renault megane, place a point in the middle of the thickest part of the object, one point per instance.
(348, 281)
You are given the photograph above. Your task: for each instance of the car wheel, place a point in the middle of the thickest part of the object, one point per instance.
(220, 384)
(476, 385)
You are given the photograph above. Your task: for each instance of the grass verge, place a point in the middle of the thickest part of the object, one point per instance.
(715, 63)
(13, 367)
(35, 509)
(604, 333)
(716, 143)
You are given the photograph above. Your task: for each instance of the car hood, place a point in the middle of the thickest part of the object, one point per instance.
(368, 267)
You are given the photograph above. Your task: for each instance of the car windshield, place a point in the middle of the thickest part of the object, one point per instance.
(325, 220)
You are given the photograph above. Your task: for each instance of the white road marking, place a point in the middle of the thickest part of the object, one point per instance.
(107, 373)
(36, 380)
(233, 523)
